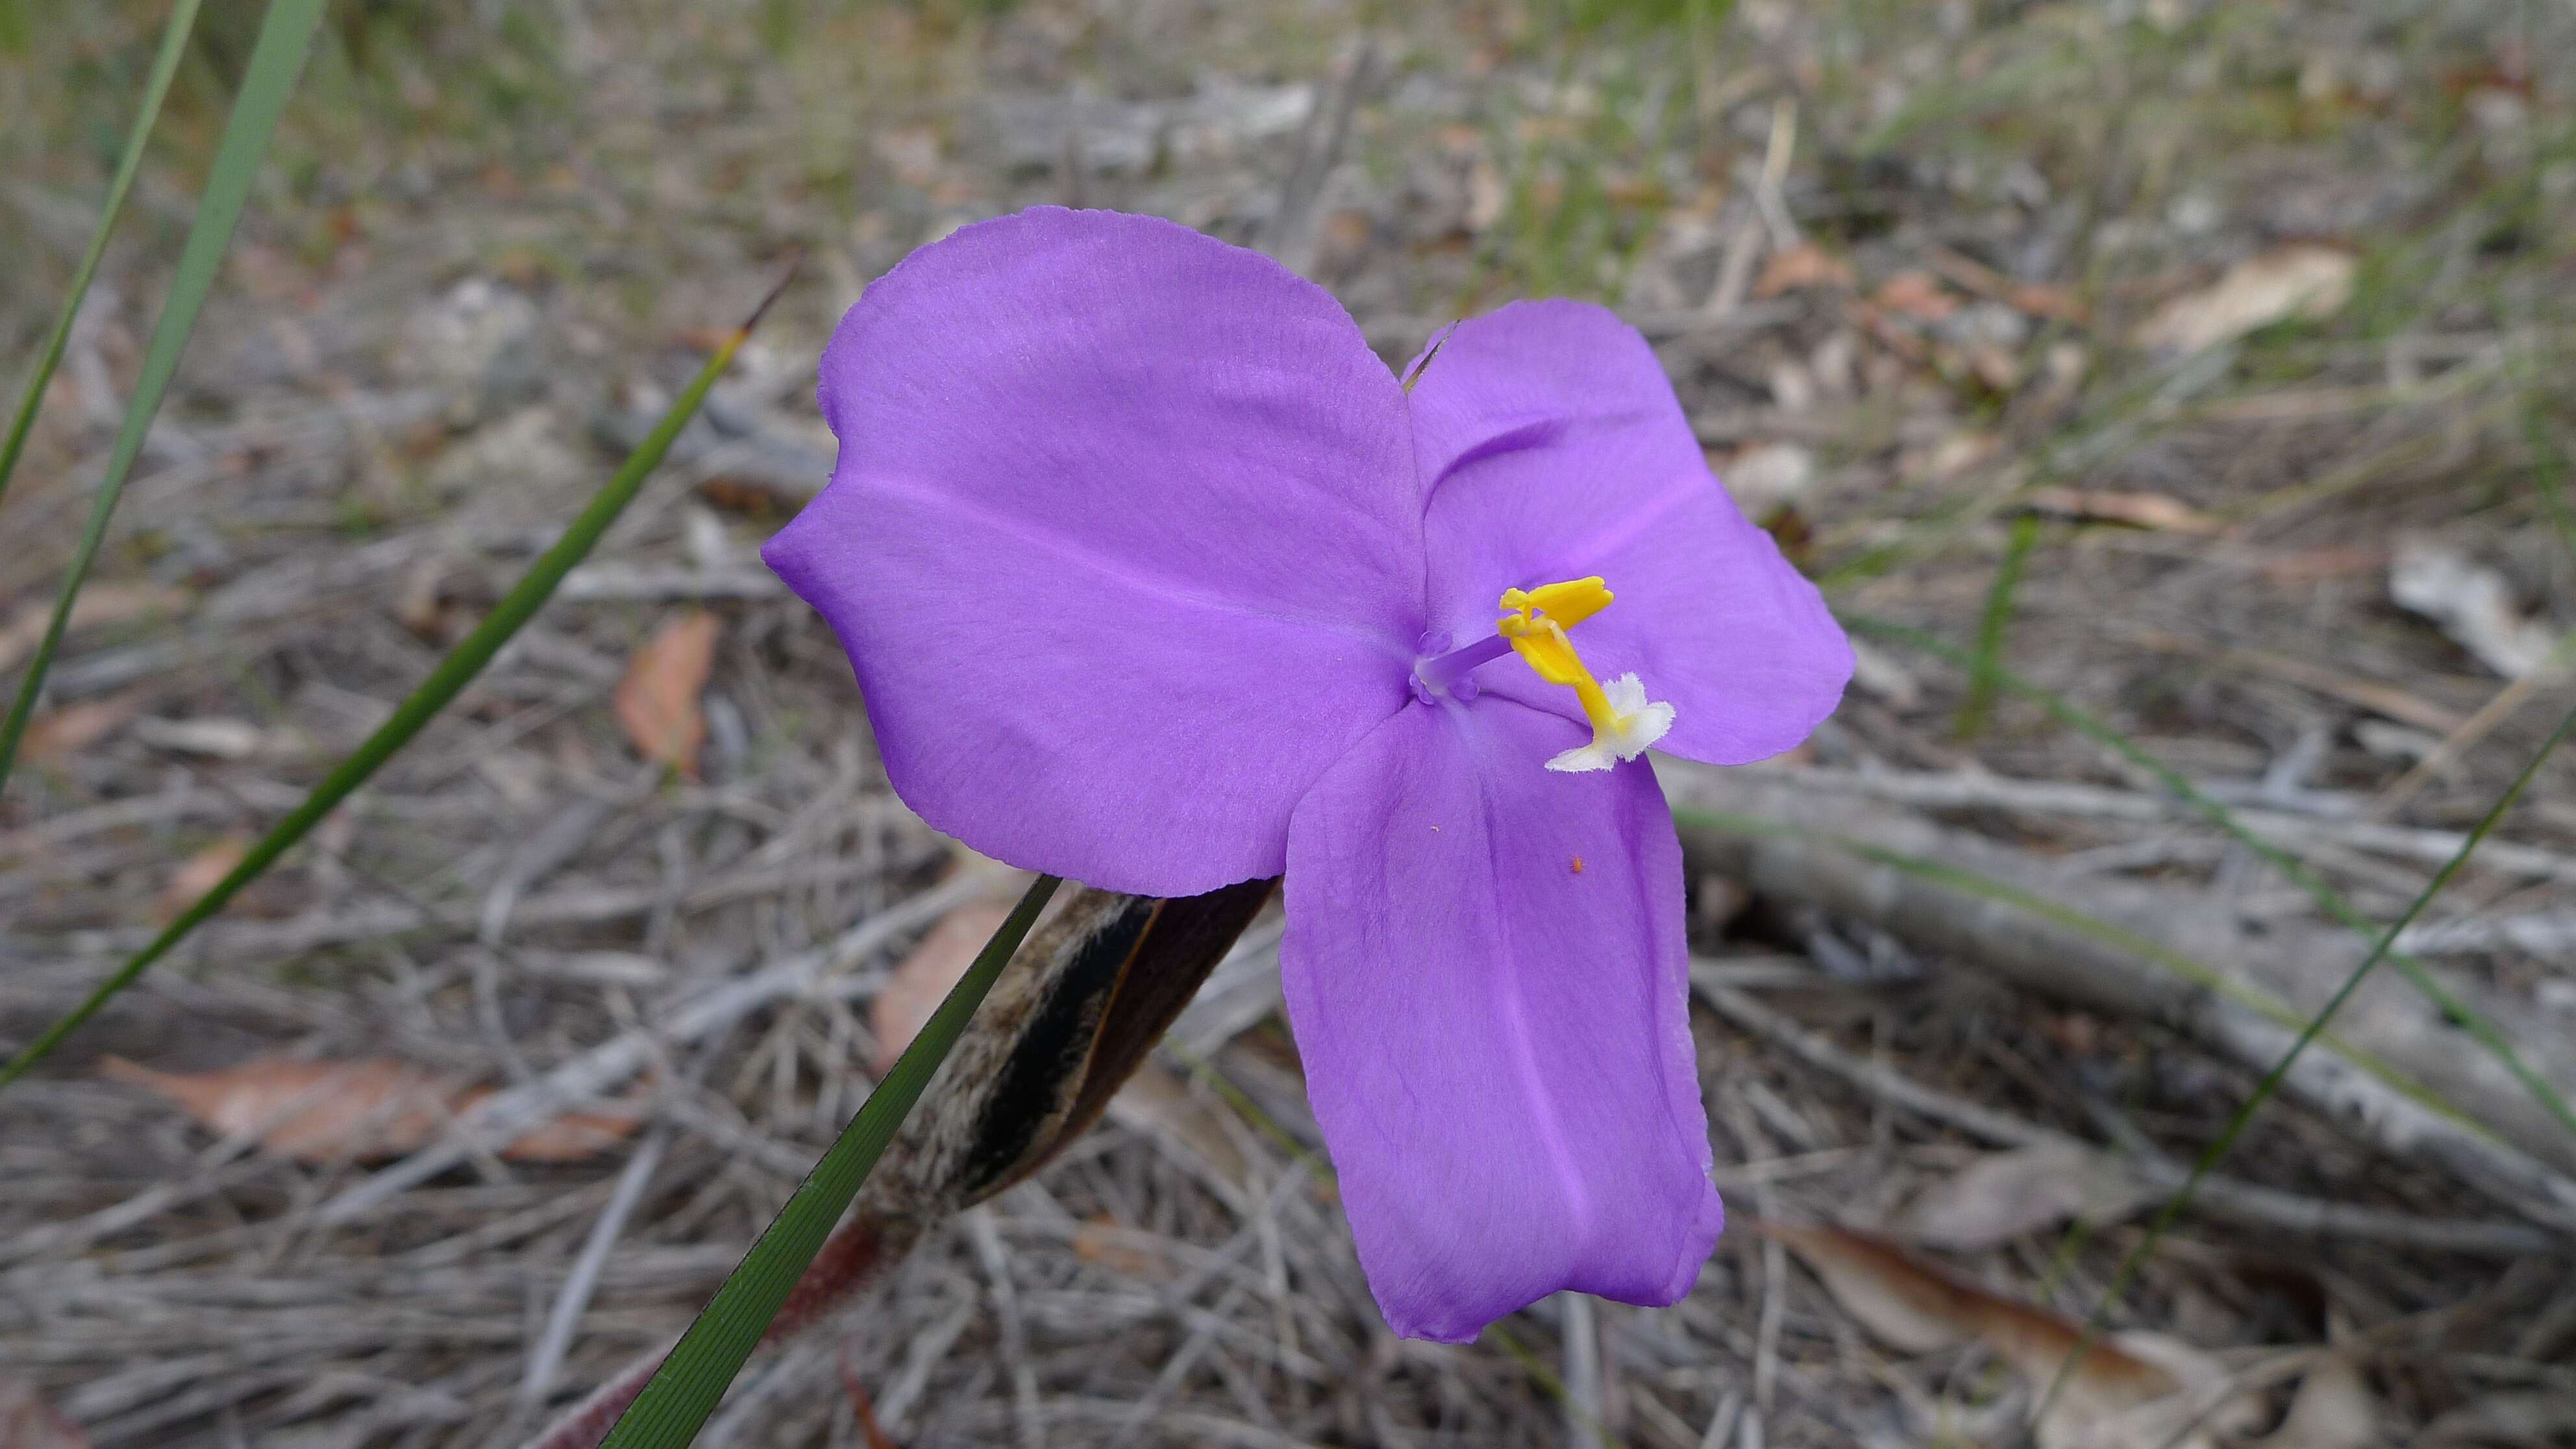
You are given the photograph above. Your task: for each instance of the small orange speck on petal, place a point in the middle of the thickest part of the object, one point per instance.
(1578, 865)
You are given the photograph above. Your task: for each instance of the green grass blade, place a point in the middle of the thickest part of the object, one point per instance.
(2548, 461)
(174, 46)
(2381, 949)
(1990, 630)
(444, 683)
(685, 1390)
(285, 35)
(2328, 899)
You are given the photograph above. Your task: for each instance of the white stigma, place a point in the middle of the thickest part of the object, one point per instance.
(1638, 723)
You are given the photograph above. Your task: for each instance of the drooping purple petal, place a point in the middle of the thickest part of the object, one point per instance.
(1124, 543)
(1553, 448)
(1485, 974)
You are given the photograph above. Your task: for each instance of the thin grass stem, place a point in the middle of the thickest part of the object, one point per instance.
(1990, 628)
(2382, 949)
(445, 682)
(156, 87)
(285, 37)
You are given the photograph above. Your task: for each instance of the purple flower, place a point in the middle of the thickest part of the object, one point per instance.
(1155, 577)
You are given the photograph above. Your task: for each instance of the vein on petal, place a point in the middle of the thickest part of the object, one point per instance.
(1048, 541)
(1544, 1112)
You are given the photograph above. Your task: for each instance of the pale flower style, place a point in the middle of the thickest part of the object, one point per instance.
(1155, 577)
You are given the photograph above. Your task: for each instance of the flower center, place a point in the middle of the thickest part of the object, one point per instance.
(1624, 722)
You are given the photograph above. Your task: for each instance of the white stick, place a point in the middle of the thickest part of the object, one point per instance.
(548, 1356)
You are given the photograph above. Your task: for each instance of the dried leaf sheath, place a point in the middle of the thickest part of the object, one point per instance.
(1071, 1018)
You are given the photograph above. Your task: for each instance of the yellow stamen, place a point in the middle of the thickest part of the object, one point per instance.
(1536, 626)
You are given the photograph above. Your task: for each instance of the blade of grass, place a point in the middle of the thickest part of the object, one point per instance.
(165, 64)
(444, 683)
(2548, 462)
(685, 1390)
(2328, 899)
(2381, 949)
(1990, 629)
(285, 36)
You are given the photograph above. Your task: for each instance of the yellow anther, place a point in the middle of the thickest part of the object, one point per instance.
(1536, 625)
(1568, 603)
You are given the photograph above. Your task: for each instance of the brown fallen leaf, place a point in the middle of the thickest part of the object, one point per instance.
(57, 735)
(1917, 295)
(2303, 280)
(2138, 510)
(922, 979)
(28, 1422)
(1156, 1101)
(2308, 565)
(571, 1137)
(361, 1110)
(1891, 334)
(1105, 1242)
(199, 874)
(2002, 1195)
(421, 602)
(1803, 265)
(2039, 299)
(98, 605)
(2131, 1391)
(657, 701)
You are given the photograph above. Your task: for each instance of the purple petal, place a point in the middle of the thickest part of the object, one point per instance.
(1124, 543)
(1486, 978)
(1553, 448)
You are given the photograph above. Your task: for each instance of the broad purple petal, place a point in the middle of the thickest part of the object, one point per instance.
(1486, 978)
(1124, 543)
(1552, 447)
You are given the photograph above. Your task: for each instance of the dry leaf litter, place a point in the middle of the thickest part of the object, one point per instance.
(2259, 313)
